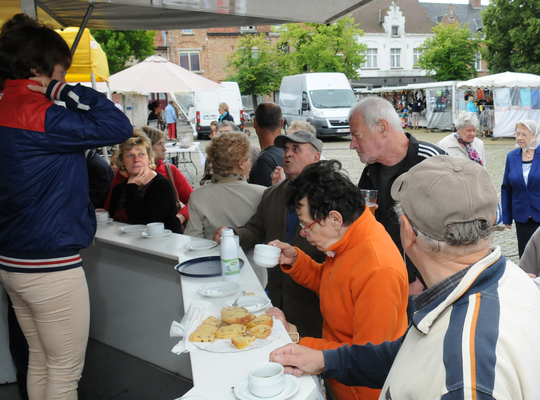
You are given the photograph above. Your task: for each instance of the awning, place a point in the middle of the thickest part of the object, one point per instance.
(182, 14)
(88, 59)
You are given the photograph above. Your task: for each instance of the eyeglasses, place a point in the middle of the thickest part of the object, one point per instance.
(412, 225)
(305, 228)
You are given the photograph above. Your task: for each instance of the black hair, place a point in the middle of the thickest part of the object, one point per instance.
(268, 116)
(326, 188)
(153, 105)
(27, 44)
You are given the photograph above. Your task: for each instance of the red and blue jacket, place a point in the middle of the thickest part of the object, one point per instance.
(46, 215)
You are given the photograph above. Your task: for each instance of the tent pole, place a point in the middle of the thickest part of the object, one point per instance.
(29, 8)
(83, 26)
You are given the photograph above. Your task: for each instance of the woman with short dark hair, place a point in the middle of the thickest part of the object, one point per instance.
(362, 284)
(45, 210)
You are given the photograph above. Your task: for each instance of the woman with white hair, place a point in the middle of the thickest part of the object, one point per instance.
(520, 191)
(464, 143)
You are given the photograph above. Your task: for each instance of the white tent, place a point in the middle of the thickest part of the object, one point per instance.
(516, 96)
(155, 75)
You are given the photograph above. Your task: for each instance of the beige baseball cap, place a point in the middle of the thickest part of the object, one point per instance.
(443, 190)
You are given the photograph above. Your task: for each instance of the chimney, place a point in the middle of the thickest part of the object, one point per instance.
(475, 3)
(451, 17)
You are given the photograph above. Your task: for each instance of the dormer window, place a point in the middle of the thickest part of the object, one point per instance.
(395, 30)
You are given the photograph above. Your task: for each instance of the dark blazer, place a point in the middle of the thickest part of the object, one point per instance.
(300, 305)
(520, 201)
(226, 117)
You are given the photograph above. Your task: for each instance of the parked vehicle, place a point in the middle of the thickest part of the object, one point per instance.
(322, 98)
(205, 104)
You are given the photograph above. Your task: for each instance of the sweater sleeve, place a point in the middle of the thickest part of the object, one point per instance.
(118, 178)
(195, 224)
(183, 188)
(367, 365)
(378, 299)
(89, 120)
(306, 272)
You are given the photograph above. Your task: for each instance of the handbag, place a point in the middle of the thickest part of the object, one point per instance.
(179, 204)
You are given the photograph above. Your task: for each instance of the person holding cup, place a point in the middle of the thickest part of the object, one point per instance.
(362, 284)
(145, 196)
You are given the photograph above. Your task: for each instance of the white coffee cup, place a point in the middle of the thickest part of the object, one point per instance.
(155, 228)
(266, 256)
(102, 216)
(266, 379)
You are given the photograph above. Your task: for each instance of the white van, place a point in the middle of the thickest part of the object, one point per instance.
(205, 107)
(321, 98)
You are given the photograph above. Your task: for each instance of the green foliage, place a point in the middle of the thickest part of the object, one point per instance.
(121, 46)
(322, 48)
(253, 65)
(512, 36)
(450, 54)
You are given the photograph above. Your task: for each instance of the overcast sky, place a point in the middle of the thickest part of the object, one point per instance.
(484, 2)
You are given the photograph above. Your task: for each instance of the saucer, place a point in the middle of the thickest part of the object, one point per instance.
(219, 289)
(105, 222)
(200, 245)
(132, 229)
(291, 387)
(251, 303)
(165, 233)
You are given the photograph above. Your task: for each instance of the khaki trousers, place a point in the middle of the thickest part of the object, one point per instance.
(53, 310)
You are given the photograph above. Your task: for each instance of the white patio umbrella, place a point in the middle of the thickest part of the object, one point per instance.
(157, 75)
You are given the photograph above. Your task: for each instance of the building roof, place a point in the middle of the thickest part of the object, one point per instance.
(463, 12)
(416, 18)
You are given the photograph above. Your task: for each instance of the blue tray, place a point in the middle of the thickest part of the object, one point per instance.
(202, 267)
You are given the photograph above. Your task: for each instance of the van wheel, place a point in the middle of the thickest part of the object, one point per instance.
(285, 125)
(200, 136)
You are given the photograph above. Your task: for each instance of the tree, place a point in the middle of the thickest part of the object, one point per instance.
(121, 47)
(322, 48)
(451, 54)
(512, 36)
(254, 67)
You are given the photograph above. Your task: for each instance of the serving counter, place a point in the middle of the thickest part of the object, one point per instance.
(135, 294)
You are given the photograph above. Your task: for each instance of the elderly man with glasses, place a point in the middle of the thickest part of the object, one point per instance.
(475, 330)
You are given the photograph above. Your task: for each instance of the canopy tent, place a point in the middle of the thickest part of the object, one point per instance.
(155, 75)
(158, 75)
(89, 58)
(516, 96)
(178, 14)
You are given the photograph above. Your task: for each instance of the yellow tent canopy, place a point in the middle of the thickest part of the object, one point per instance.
(89, 58)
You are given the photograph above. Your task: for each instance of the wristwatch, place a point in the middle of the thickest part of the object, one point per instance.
(293, 333)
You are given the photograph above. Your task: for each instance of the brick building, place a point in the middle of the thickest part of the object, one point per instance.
(204, 51)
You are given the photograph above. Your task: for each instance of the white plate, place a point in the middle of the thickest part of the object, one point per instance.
(200, 245)
(219, 289)
(132, 229)
(226, 346)
(165, 233)
(292, 385)
(251, 303)
(105, 222)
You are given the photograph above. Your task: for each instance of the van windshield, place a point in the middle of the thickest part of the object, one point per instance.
(341, 98)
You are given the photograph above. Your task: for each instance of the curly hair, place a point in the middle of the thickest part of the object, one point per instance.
(26, 45)
(326, 188)
(226, 150)
(138, 139)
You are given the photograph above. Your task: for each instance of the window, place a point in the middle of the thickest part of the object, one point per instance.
(188, 32)
(189, 59)
(395, 58)
(248, 29)
(478, 62)
(416, 56)
(395, 30)
(371, 59)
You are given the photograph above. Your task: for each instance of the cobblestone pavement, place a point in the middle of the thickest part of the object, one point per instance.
(338, 148)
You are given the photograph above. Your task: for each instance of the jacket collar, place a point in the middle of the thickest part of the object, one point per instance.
(362, 228)
(484, 273)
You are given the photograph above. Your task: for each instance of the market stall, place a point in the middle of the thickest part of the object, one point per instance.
(516, 96)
